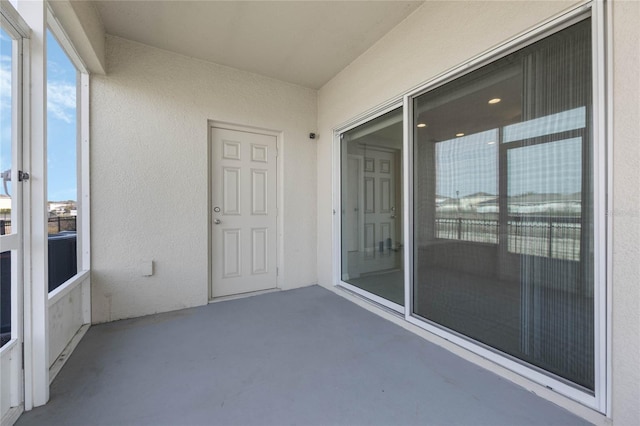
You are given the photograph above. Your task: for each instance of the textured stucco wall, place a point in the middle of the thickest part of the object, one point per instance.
(625, 286)
(149, 181)
(441, 35)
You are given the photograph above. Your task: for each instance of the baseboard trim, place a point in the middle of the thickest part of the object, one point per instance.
(12, 416)
(66, 352)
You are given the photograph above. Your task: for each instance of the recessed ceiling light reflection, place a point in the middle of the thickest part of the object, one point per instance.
(421, 125)
(494, 100)
(491, 143)
(459, 134)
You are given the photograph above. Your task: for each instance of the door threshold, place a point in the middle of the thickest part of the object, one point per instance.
(242, 295)
(12, 416)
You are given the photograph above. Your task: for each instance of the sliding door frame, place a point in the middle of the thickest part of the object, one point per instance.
(337, 191)
(600, 12)
(598, 399)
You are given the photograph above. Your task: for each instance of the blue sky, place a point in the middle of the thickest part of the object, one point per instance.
(61, 123)
(61, 118)
(5, 102)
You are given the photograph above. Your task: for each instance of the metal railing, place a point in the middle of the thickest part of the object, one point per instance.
(55, 226)
(549, 236)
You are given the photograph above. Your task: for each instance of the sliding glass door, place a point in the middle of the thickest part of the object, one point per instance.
(372, 226)
(503, 206)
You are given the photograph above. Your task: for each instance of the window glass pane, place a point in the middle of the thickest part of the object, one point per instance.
(372, 238)
(467, 164)
(544, 199)
(5, 297)
(61, 163)
(6, 158)
(6, 129)
(503, 193)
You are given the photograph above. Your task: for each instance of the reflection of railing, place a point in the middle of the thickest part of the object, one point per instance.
(477, 230)
(56, 225)
(553, 236)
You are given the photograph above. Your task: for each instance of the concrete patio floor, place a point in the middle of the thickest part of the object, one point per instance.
(298, 357)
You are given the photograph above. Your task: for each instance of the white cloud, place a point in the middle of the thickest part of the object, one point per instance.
(61, 100)
(5, 82)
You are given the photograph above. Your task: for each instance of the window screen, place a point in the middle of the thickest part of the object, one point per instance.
(503, 223)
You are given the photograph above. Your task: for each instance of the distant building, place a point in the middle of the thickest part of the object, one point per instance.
(62, 208)
(5, 202)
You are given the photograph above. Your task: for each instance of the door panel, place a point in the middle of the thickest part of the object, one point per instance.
(11, 243)
(372, 247)
(244, 212)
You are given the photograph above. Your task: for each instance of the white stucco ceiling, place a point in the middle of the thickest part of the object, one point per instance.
(301, 42)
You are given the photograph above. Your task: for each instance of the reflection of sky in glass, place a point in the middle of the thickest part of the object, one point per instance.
(555, 123)
(467, 165)
(549, 168)
(5, 101)
(61, 123)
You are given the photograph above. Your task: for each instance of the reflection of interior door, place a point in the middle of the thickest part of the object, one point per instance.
(243, 233)
(380, 182)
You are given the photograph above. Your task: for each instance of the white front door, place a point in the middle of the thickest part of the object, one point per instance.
(243, 200)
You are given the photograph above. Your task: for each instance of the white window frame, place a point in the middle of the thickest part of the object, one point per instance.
(83, 243)
(600, 12)
(19, 31)
(337, 223)
(82, 161)
(37, 299)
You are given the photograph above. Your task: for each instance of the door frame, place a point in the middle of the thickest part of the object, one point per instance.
(13, 350)
(279, 200)
(337, 253)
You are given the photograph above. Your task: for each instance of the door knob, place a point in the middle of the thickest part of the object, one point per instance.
(217, 221)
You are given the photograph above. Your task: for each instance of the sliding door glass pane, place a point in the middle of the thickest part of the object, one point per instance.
(372, 238)
(503, 199)
(5, 296)
(7, 81)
